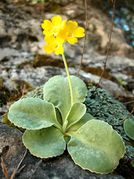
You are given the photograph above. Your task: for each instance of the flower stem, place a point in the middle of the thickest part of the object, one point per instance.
(69, 79)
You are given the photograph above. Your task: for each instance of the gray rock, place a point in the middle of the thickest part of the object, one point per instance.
(11, 148)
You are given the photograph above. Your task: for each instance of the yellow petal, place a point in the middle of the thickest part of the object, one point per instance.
(63, 23)
(56, 20)
(47, 33)
(59, 40)
(46, 24)
(59, 50)
(79, 32)
(49, 39)
(63, 33)
(72, 40)
(72, 24)
(50, 44)
(49, 48)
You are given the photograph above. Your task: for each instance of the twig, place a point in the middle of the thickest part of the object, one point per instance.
(129, 102)
(4, 169)
(21, 168)
(84, 43)
(18, 166)
(109, 43)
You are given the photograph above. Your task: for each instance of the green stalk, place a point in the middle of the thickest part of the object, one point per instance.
(69, 79)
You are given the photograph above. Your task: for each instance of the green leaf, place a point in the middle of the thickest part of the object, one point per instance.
(129, 128)
(56, 91)
(44, 143)
(80, 123)
(76, 113)
(32, 113)
(96, 147)
(5, 120)
(79, 89)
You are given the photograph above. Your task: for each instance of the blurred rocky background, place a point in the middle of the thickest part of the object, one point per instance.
(24, 65)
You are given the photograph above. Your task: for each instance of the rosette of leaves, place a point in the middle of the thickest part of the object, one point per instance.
(53, 124)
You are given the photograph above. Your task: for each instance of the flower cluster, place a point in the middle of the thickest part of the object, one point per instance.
(58, 31)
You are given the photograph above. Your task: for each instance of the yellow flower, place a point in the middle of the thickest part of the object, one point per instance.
(54, 45)
(52, 27)
(71, 32)
(58, 31)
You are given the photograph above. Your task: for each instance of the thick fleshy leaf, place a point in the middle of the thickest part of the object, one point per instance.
(44, 143)
(76, 113)
(96, 147)
(80, 123)
(129, 128)
(32, 114)
(56, 91)
(5, 120)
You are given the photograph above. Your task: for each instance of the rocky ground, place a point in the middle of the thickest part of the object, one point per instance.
(24, 66)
